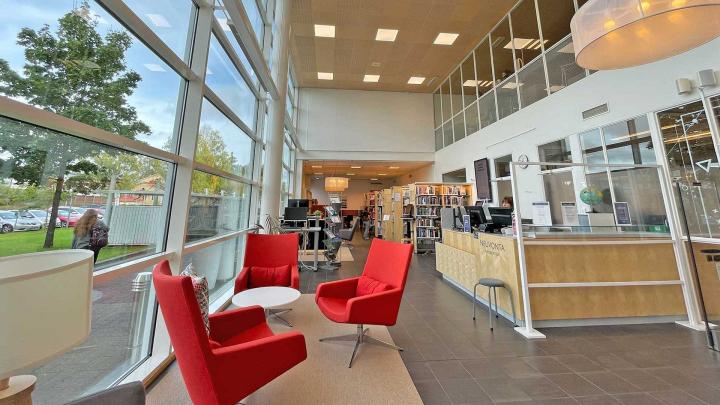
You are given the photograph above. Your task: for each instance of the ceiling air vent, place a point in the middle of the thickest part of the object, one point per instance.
(595, 111)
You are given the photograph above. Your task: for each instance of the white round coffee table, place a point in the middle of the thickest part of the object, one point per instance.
(270, 298)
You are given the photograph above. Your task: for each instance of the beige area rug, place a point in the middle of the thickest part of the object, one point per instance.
(378, 375)
(344, 255)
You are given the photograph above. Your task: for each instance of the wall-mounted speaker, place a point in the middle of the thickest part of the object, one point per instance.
(706, 78)
(684, 86)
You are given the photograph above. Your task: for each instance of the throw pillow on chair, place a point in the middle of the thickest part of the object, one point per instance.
(367, 285)
(202, 293)
(269, 276)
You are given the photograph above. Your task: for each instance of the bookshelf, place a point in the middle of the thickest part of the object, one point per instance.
(408, 229)
(378, 222)
(427, 200)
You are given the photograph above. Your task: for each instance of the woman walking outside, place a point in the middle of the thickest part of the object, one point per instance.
(90, 233)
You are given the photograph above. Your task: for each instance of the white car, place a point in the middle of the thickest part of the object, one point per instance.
(44, 217)
(18, 221)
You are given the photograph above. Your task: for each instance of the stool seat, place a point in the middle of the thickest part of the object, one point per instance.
(491, 282)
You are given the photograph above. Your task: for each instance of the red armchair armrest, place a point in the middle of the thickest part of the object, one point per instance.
(241, 282)
(269, 357)
(226, 324)
(294, 277)
(373, 308)
(337, 289)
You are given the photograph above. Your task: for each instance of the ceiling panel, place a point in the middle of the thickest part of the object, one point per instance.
(367, 170)
(354, 51)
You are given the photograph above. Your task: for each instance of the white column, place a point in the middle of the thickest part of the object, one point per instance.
(270, 204)
(297, 190)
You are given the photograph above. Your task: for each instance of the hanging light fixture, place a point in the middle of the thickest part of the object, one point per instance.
(614, 34)
(336, 184)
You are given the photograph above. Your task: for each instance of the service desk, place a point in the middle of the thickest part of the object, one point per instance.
(572, 279)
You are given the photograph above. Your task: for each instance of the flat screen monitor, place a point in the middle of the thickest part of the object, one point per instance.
(501, 216)
(295, 214)
(296, 202)
(477, 215)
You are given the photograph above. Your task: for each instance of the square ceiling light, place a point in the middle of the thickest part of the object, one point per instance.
(470, 83)
(325, 76)
(324, 31)
(371, 78)
(387, 35)
(356, 167)
(445, 38)
(416, 80)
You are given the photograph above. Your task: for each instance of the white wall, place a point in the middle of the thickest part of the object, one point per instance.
(355, 193)
(629, 92)
(424, 173)
(365, 125)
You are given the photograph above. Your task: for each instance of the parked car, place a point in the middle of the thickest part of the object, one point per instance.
(68, 216)
(44, 217)
(14, 221)
(82, 210)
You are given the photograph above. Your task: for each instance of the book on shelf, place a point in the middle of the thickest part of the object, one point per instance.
(426, 190)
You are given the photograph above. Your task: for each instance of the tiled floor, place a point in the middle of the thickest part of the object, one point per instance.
(454, 360)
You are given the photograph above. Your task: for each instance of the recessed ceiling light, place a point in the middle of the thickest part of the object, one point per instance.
(445, 38)
(416, 80)
(524, 43)
(371, 78)
(349, 174)
(325, 76)
(373, 179)
(384, 34)
(382, 174)
(394, 167)
(159, 20)
(318, 174)
(356, 167)
(470, 83)
(325, 31)
(375, 64)
(317, 167)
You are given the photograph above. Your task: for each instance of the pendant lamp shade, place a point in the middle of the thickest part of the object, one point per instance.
(614, 34)
(336, 184)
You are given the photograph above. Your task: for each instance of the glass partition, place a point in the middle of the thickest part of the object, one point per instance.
(472, 121)
(469, 82)
(445, 94)
(507, 97)
(437, 108)
(502, 51)
(561, 67)
(458, 127)
(219, 263)
(526, 35)
(448, 133)
(483, 68)
(557, 151)
(456, 92)
(218, 206)
(555, 19)
(531, 82)
(438, 139)
(487, 107)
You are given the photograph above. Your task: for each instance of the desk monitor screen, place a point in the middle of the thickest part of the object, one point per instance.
(501, 216)
(295, 202)
(477, 215)
(295, 214)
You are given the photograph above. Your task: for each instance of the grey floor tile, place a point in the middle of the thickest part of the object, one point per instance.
(546, 364)
(575, 385)
(483, 368)
(419, 371)
(676, 397)
(448, 369)
(638, 398)
(610, 383)
(642, 379)
(540, 388)
(503, 390)
(597, 400)
(465, 391)
(432, 393)
(578, 363)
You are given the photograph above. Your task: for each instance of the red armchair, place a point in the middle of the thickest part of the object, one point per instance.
(240, 355)
(371, 299)
(270, 251)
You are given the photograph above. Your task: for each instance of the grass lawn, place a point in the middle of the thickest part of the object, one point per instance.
(16, 243)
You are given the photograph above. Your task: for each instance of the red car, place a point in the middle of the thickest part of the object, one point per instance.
(68, 217)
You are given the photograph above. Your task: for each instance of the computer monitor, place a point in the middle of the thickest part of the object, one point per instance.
(295, 214)
(501, 216)
(477, 215)
(296, 203)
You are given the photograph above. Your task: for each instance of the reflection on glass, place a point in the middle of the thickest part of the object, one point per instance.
(438, 139)
(629, 142)
(502, 166)
(640, 188)
(219, 263)
(691, 159)
(222, 19)
(448, 133)
(507, 98)
(123, 318)
(561, 66)
(483, 68)
(218, 206)
(472, 122)
(225, 80)
(555, 19)
(556, 152)
(456, 92)
(502, 52)
(526, 36)
(222, 144)
(459, 126)
(170, 20)
(488, 113)
(127, 189)
(253, 13)
(469, 83)
(437, 108)
(446, 109)
(592, 147)
(532, 83)
(559, 187)
(117, 83)
(285, 181)
(504, 188)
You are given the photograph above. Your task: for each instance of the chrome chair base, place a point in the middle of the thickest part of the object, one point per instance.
(360, 337)
(275, 313)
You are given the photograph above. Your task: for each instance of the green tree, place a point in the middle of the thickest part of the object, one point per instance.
(77, 73)
(211, 150)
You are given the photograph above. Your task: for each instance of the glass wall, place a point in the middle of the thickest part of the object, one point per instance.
(187, 205)
(527, 56)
